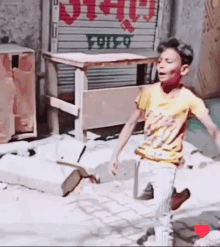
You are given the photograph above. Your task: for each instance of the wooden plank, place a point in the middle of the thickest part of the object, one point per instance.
(83, 172)
(62, 105)
(82, 60)
(81, 85)
(107, 57)
(52, 90)
(108, 107)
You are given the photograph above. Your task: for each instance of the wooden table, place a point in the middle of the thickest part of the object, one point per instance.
(93, 108)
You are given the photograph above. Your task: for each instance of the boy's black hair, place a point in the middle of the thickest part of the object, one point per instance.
(185, 51)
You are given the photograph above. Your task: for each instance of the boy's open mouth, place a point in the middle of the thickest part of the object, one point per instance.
(161, 73)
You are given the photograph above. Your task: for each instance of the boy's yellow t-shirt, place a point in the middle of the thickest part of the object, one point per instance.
(165, 122)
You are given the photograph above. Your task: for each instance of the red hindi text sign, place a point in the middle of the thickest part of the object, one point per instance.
(106, 6)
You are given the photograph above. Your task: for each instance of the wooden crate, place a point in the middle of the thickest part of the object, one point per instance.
(17, 93)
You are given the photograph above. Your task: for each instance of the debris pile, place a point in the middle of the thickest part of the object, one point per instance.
(58, 163)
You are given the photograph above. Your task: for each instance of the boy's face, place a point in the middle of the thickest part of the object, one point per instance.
(170, 68)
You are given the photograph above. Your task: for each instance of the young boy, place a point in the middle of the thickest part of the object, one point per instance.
(166, 106)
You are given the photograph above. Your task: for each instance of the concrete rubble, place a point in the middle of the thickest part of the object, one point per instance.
(53, 156)
(109, 206)
(41, 172)
(3, 186)
(211, 239)
(66, 149)
(94, 157)
(36, 174)
(14, 147)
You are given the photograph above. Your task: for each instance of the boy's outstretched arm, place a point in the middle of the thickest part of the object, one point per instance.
(212, 129)
(123, 139)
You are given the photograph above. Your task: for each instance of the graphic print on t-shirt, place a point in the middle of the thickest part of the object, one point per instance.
(160, 129)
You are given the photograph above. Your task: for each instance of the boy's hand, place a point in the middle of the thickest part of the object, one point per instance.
(217, 158)
(113, 167)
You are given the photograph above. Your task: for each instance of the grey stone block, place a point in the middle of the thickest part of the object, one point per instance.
(40, 175)
(67, 150)
(3, 186)
(189, 148)
(13, 147)
(212, 239)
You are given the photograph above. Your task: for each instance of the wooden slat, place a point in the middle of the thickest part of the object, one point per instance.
(107, 57)
(81, 85)
(62, 105)
(52, 90)
(109, 107)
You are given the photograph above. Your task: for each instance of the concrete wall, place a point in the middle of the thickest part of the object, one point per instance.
(21, 21)
(166, 20)
(188, 26)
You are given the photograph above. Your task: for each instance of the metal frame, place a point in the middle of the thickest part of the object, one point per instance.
(55, 7)
(157, 36)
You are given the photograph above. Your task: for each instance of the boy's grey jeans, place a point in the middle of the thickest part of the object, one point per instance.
(161, 176)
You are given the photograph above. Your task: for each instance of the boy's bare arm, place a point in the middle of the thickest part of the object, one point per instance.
(126, 132)
(124, 137)
(212, 129)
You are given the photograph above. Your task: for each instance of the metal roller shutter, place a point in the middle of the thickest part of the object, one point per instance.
(103, 26)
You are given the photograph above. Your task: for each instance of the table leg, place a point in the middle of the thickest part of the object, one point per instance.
(136, 180)
(81, 84)
(141, 74)
(52, 90)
